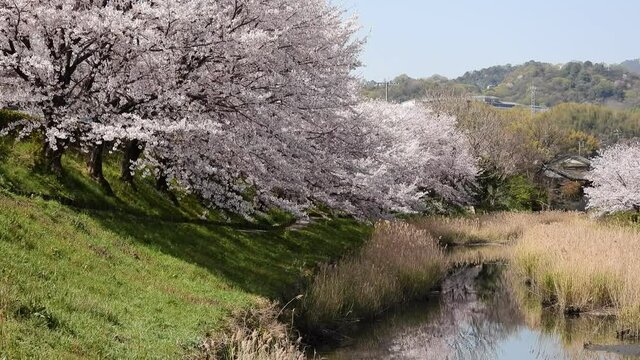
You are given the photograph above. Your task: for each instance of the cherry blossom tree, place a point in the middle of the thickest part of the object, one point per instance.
(249, 104)
(413, 152)
(276, 78)
(231, 64)
(53, 49)
(616, 179)
(379, 158)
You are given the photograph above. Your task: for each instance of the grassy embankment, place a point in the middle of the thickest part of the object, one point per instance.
(133, 276)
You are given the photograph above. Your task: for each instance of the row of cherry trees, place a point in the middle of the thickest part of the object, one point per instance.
(249, 104)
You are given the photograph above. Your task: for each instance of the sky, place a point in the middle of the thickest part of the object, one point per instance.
(421, 38)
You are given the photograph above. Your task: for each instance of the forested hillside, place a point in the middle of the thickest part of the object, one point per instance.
(631, 65)
(578, 82)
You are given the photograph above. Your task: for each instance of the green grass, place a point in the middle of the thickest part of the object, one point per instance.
(120, 280)
(17, 173)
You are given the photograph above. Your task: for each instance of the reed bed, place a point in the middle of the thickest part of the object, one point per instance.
(463, 256)
(582, 265)
(399, 263)
(569, 261)
(501, 228)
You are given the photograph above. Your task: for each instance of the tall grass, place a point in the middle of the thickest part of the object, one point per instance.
(459, 231)
(571, 261)
(495, 228)
(581, 265)
(399, 263)
(254, 334)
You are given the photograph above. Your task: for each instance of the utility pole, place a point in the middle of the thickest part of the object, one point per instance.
(386, 91)
(386, 84)
(533, 100)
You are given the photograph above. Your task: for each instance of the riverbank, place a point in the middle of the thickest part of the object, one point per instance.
(138, 275)
(482, 314)
(134, 275)
(398, 264)
(568, 263)
(571, 262)
(402, 262)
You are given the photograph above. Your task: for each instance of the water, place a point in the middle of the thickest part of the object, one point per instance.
(482, 315)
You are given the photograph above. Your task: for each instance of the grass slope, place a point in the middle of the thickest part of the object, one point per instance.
(120, 280)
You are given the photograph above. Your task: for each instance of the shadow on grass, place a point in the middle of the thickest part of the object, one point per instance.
(267, 263)
(261, 262)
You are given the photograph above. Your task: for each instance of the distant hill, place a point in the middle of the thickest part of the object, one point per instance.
(632, 66)
(578, 82)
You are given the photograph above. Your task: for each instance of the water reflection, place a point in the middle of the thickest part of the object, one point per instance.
(480, 315)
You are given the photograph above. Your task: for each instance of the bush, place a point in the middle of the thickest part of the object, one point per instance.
(254, 334)
(522, 194)
(496, 192)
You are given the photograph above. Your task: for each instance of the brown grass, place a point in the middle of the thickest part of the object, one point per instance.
(580, 264)
(501, 228)
(462, 256)
(399, 263)
(255, 334)
(574, 263)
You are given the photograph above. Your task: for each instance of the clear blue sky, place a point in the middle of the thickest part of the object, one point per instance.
(448, 37)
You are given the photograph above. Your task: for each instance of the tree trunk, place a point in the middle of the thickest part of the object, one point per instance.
(52, 159)
(95, 168)
(163, 186)
(161, 183)
(132, 153)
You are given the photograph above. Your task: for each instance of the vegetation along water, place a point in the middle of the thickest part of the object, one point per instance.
(216, 179)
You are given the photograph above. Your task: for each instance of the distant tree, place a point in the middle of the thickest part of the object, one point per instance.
(616, 179)
(486, 78)
(575, 82)
(603, 123)
(632, 66)
(496, 136)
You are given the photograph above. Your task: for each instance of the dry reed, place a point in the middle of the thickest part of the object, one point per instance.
(255, 334)
(583, 265)
(399, 263)
(502, 228)
(572, 262)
